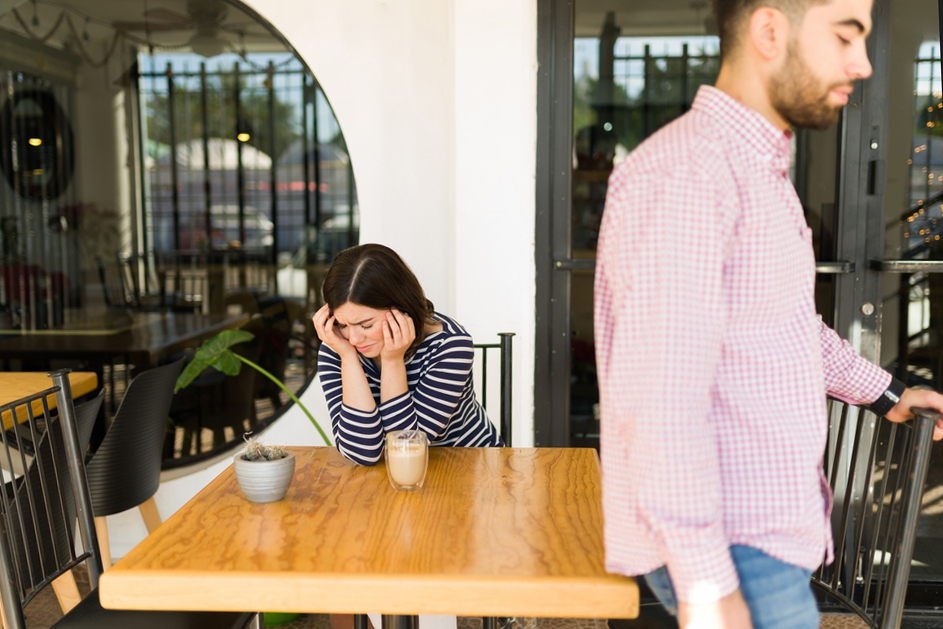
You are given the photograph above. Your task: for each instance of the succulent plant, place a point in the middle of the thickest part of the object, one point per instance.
(257, 451)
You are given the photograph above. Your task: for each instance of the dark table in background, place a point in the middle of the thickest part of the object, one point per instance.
(142, 339)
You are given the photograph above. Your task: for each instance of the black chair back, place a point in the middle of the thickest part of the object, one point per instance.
(876, 470)
(505, 361)
(125, 469)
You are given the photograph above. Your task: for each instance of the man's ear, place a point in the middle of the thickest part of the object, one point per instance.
(769, 32)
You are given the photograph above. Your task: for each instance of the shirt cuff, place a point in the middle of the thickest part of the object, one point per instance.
(704, 576)
(866, 384)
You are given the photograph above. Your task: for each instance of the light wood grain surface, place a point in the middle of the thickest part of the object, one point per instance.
(19, 384)
(494, 531)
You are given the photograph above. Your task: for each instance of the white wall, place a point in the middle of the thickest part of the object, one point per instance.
(437, 101)
(103, 166)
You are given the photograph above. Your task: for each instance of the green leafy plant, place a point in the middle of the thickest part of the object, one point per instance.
(216, 353)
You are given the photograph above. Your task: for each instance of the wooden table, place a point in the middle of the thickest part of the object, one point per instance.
(138, 338)
(494, 532)
(18, 384)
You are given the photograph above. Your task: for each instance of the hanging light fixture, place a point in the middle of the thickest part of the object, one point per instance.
(206, 41)
(208, 16)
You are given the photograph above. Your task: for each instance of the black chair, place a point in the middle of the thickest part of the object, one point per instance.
(115, 288)
(124, 471)
(505, 361)
(39, 512)
(147, 290)
(877, 470)
(23, 449)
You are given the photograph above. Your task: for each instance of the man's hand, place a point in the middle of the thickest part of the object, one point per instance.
(730, 612)
(922, 398)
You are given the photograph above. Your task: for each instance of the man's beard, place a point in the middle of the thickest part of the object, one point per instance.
(799, 97)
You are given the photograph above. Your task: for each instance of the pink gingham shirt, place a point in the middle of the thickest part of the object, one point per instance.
(713, 365)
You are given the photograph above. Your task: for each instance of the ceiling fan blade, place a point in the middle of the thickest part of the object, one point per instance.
(168, 15)
(148, 26)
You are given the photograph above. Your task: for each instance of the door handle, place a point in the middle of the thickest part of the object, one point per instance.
(838, 267)
(907, 266)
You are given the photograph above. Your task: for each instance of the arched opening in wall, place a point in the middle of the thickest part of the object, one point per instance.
(170, 169)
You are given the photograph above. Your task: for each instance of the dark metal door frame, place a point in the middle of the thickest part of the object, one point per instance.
(552, 238)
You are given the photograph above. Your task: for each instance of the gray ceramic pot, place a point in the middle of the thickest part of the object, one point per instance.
(265, 481)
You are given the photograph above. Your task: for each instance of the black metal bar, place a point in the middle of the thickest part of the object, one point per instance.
(888, 530)
(838, 267)
(207, 177)
(172, 116)
(929, 137)
(506, 382)
(143, 214)
(867, 503)
(903, 328)
(29, 496)
(273, 179)
(10, 593)
(924, 421)
(317, 157)
(833, 479)
(684, 78)
(361, 621)
(240, 171)
(558, 336)
(484, 377)
(76, 462)
(908, 266)
(352, 236)
(849, 503)
(392, 621)
(646, 94)
(305, 157)
(44, 489)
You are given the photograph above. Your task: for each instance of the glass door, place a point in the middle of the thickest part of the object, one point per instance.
(871, 188)
(632, 70)
(910, 271)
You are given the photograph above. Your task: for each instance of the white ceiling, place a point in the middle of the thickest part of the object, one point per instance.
(638, 18)
(163, 23)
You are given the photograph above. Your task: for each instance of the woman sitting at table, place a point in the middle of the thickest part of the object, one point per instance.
(388, 361)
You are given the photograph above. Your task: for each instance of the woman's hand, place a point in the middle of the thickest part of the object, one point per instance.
(399, 332)
(324, 326)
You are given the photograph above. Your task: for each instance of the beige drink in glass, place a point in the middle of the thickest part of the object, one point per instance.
(407, 457)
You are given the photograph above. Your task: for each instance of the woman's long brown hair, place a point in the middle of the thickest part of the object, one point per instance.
(375, 276)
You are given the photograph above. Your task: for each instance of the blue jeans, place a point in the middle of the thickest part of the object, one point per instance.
(778, 594)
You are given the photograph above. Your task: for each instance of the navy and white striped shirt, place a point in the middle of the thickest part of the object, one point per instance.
(440, 398)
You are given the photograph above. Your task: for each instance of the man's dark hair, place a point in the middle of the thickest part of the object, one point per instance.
(376, 277)
(732, 14)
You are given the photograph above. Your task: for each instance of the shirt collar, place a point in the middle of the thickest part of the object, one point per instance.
(772, 145)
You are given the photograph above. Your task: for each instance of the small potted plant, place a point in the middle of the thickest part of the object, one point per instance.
(264, 472)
